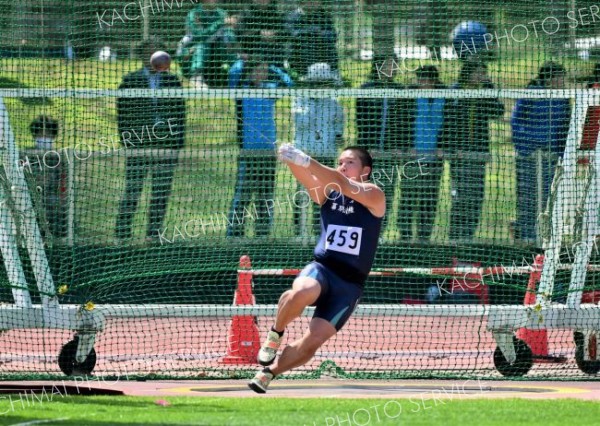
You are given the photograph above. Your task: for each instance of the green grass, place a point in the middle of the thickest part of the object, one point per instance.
(418, 410)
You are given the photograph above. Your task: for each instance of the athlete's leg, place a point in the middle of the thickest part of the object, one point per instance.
(303, 349)
(305, 291)
(296, 354)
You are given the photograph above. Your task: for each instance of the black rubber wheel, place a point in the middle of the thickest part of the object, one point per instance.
(67, 363)
(587, 366)
(522, 364)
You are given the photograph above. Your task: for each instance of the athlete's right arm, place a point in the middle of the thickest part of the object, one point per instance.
(367, 194)
(309, 181)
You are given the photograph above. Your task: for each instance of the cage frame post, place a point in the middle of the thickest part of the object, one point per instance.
(24, 314)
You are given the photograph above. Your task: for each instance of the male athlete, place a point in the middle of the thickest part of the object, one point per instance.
(352, 210)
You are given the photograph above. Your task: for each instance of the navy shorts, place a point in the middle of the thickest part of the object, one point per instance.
(338, 297)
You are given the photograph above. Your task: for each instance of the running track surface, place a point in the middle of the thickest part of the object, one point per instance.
(193, 347)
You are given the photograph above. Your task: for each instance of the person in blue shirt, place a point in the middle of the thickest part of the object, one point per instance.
(352, 210)
(257, 133)
(420, 180)
(538, 126)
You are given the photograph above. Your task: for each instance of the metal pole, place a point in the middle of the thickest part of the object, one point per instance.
(10, 255)
(572, 29)
(71, 198)
(24, 208)
(146, 20)
(539, 186)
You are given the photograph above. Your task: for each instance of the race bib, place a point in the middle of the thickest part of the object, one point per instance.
(345, 239)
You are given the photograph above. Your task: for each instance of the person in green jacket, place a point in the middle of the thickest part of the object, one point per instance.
(202, 24)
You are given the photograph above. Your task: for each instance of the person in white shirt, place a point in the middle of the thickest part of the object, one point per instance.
(319, 127)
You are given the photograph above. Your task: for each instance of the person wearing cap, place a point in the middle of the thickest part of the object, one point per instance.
(538, 126)
(420, 180)
(319, 128)
(384, 126)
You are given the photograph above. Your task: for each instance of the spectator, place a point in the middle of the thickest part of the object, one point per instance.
(319, 125)
(593, 82)
(313, 37)
(540, 127)
(202, 24)
(420, 179)
(221, 52)
(262, 31)
(467, 139)
(261, 34)
(383, 127)
(144, 123)
(592, 119)
(257, 163)
(44, 130)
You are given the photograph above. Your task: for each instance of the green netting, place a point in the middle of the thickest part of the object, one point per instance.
(136, 190)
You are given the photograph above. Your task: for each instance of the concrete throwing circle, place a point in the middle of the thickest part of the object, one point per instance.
(377, 389)
(394, 389)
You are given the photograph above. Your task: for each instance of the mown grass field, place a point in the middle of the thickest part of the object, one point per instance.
(200, 411)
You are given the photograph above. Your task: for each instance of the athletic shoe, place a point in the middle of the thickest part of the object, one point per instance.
(261, 381)
(268, 351)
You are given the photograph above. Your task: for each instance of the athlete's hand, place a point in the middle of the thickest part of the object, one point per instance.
(290, 154)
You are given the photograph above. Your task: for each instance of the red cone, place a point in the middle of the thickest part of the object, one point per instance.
(243, 342)
(537, 340)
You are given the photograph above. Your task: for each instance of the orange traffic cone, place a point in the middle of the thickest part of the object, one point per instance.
(537, 340)
(243, 341)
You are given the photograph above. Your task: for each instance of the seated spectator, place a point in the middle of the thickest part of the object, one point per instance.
(592, 119)
(261, 31)
(593, 81)
(313, 37)
(202, 25)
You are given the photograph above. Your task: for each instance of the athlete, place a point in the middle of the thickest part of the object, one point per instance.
(352, 210)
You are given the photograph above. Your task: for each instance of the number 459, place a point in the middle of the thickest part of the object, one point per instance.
(340, 239)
